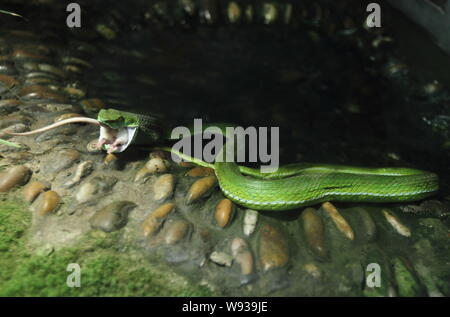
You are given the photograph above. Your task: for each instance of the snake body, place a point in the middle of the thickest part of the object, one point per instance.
(294, 185)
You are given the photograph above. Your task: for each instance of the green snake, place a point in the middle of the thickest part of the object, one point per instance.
(291, 186)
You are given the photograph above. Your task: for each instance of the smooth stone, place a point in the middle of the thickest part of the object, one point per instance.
(273, 248)
(18, 127)
(112, 217)
(142, 175)
(155, 219)
(62, 160)
(163, 187)
(399, 227)
(339, 221)
(200, 171)
(221, 258)
(156, 165)
(92, 106)
(74, 92)
(199, 188)
(242, 255)
(56, 133)
(8, 106)
(250, 221)
(96, 187)
(11, 119)
(7, 82)
(33, 189)
(224, 212)
(41, 92)
(315, 232)
(175, 231)
(76, 60)
(111, 161)
(233, 12)
(83, 169)
(370, 229)
(47, 203)
(24, 54)
(68, 116)
(14, 176)
(52, 70)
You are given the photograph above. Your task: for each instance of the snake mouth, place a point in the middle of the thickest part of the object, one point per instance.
(115, 140)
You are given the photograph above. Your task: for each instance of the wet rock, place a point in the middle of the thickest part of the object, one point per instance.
(112, 217)
(8, 106)
(95, 188)
(200, 188)
(7, 82)
(250, 221)
(33, 189)
(396, 223)
(62, 160)
(200, 171)
(52, 70)
(163, 187)
(273, 248)
(12, 119)
(83, 169)
(67, 116)
(175, 231)
(47, 202)
(92, 106)
(15, 176)
(156, 165)
(233, 12)
(18, 127)
(369, 227)
(111, 161)
(41, 92)
(74, 92)
(56, 133)
(221, 258)
(315, 232)
(154, 220)
(224, 212)
(340, 221)
(142, 175)
(242, 255)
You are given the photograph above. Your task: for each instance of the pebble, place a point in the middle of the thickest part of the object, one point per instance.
(315, 232)
(62, 160)
(96, 187)
(396, 224)
(199, 188)
(340, 222)
(142, 175)
(47, 202)
(233, 12)
(67, 116)
(270, 13)
(7, 82)
(83, 169)
(200, 171)
(155, 219)
(273, 248)
(33, 189)
(11, 119)
(221, 258)
(250, 221)
(242, 255)
(17, 175)
(41, 92)
(163, 187)
(112, 217)
(370, 229)
(175, 231)
(8, 106)
(18, 127)
(156, 165)
(92, 106)
(224, 212)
